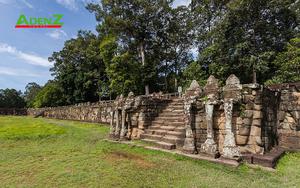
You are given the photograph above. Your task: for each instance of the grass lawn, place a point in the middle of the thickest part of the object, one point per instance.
(54, 153)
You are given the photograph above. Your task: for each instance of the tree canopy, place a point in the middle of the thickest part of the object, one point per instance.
(143, 46)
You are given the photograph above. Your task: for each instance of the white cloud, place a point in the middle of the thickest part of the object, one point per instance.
(28, 58)
(28, 4)
(4, 1)
(16, 72)
(69, 4)
(57, 34)
(75, 4)
(181, 2)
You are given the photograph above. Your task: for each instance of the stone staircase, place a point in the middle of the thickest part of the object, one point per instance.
(167, 130)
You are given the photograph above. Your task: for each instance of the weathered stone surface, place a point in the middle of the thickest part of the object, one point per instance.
(257, 107)
(256, 122)
(269, 116)
(257, 114)
(247, 121)
(241, 140)
(248, 98)
(255, 131)
(244, 130)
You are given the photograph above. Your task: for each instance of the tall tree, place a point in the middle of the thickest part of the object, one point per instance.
(136, 25)
(176, 45)
(31, 91)
(79, 68)
(122, 69)
(288, 63)
(11, 98)
(207, 15)
(249, 37)
(51, 95)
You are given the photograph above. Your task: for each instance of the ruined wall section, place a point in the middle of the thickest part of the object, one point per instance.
(89, 112)
(288, 125)
(148, 108)
(247, 117)
(13, 111)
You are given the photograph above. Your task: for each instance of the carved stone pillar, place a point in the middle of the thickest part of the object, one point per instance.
(212, 93)
(123, 125)
(210, 145)
(232, 94)
(230, 149)
(117, 129)
(189, 141)
(112, 125)
(190, 98)
(129, 127)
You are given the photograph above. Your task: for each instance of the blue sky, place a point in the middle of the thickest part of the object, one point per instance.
(24, 52)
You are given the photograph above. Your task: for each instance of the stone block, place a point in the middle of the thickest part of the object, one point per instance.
(249, 106)
(248, 98)
(258, 100)
(239, 121)
(247, 121)
(248, 113)
(244, 130)
(258, 141)
(256, 122)
(257, 114)
(290, 120)
(241, 140)
(255, 131)
(257, 107)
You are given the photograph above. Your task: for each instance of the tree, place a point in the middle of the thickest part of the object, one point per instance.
(288, 63)
(51, 95)
(194, 72)
(137, 26)
(31, 91)
(79, 68)
(176, 44)
(122, 69)
(248, 38)
(206, 16)
(10, 98)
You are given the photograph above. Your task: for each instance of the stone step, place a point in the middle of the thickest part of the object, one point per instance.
(178, 111)
(269, 159)
(178, 119)
(162, 145)
(176, 103)
(173, 140)
(169, 128)
(178, 133)
(167, 123)
(151, 137)
(177, 99)
(156, 132)
(171, 114)
(166, 128)
(175, 107)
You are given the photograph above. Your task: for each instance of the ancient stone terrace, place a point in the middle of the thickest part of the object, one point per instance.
(235, 121)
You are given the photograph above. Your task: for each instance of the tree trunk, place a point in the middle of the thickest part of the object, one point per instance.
(254, 78)
(142, 54)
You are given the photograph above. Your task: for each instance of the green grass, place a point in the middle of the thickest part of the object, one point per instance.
(73, 154)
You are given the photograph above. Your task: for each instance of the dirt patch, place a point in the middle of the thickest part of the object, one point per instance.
(119, 156)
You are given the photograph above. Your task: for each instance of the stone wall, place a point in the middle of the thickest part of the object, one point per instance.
(288, 117)
(246, 121)
(148, 108)
(261, 118)
(90, 112)
(13, 111)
